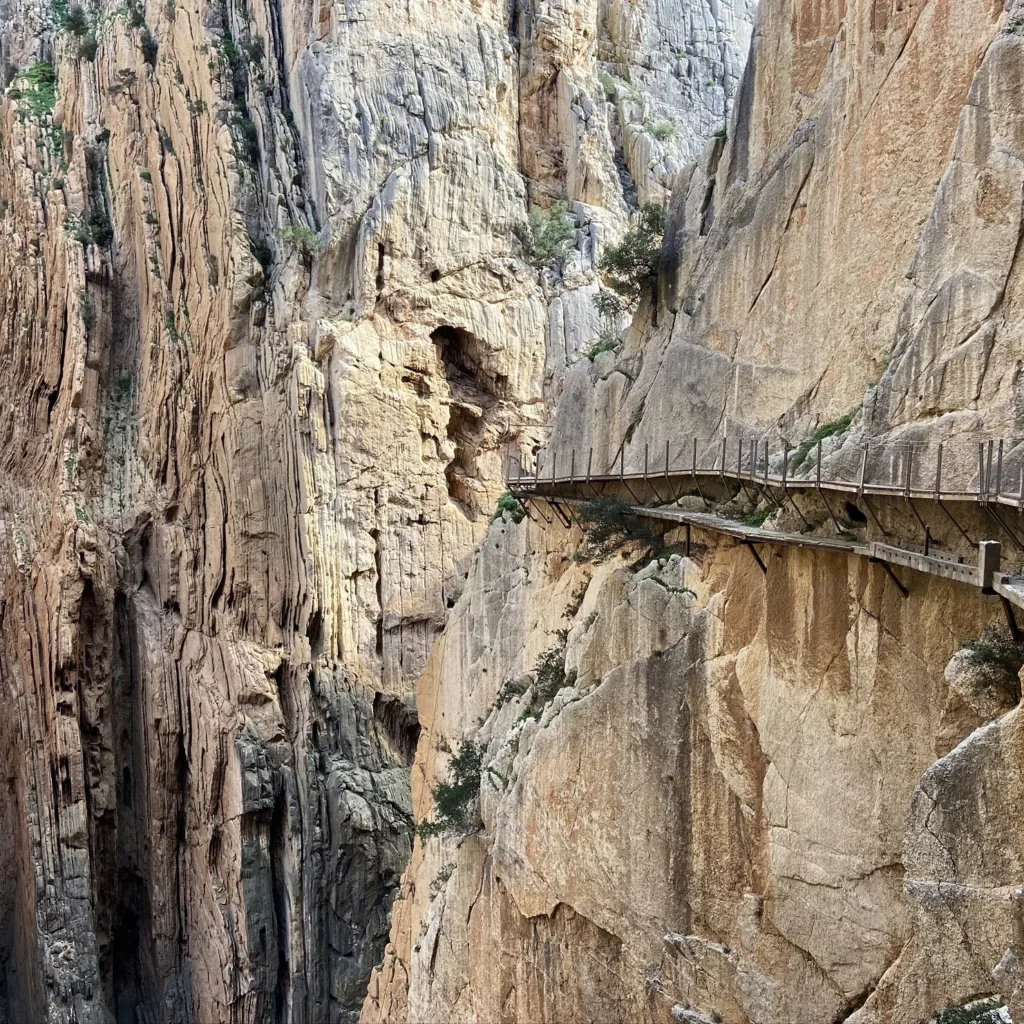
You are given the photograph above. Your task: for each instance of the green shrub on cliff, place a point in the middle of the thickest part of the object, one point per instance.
(609, 523)
(632, 265)
(996, 647)
(552, 233)
(455, 801)
(510, 504)
(980, 1011)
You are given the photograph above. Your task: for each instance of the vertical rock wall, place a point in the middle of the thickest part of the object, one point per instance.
(267, 324)
(756, 797)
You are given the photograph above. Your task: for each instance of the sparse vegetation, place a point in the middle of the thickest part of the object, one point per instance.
(609, 524)
(662, 130)
(36, 90)
(301, 239)
(248, 148)
(441, 879)
(607, 83)
(455, 801)
(510, 504)
(839, 426)
(758, 517)
(980, 1011)
(552, 233)
(510, 689)
(87, 46)
(93, 229)
(146, 176)
(549, 676)
(632, 265)
(996, 647)
(599, 346)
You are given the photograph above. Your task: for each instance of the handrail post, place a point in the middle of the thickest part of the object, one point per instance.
(554, 464)
(724, 455)
(819, 466)
(988, 563)
(766, 462)
(938, 474)
(739, 457)
(981, 472)
(863, 470)
(645, 462)
(910, 470)
(694, 471)
(988, 474)
(572, 467)
(999, 471)
(785, 465)
(590, 462)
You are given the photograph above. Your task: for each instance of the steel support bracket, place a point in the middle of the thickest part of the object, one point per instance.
(757, 557)
(887, 569)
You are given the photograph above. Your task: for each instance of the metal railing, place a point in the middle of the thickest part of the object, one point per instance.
(978, 470)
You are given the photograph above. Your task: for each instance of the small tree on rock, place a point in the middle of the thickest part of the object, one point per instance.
(632, 265)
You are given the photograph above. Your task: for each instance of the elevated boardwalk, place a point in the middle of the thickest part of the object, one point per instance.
(989, 472)
(652, 491)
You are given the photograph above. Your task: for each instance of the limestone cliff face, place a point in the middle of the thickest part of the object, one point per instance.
(756, 797)
(851, 248)
(749, 799)
(267, 322)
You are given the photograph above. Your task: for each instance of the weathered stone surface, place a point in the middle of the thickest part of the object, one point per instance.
(851, 244)
(267, 324)
(759, 797)
(728, 811)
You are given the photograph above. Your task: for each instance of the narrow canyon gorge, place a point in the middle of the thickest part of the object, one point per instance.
(375, 647)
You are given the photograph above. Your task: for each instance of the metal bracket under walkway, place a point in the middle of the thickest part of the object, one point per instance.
(985, 574)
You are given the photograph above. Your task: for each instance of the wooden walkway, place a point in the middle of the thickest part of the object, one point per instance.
(989, 472)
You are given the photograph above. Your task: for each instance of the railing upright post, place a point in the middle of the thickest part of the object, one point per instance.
(910, 470)
(938, 474)
(766, 461)
(785, 464)
(694, 458)
(988, 474)
(590, 463)
(554, 464)
(724, 455)
(819, 466)
(1020, 496)
(863, 470)
(572, 467)
(999, 470)
(645, 462)
(981, 472)
(739, 457)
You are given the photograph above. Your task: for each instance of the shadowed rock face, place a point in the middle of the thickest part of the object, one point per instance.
(267, 325)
